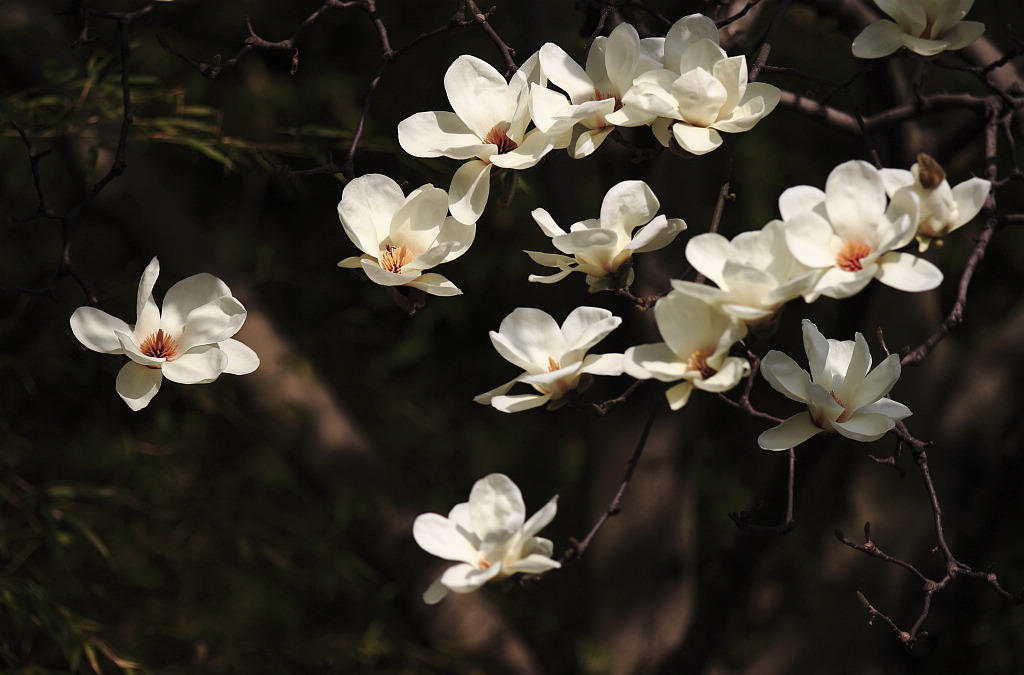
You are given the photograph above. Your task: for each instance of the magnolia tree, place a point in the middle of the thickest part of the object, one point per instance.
(724, 301)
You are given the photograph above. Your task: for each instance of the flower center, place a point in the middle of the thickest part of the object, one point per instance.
(394, 257)
(850, 256)
(601, 96)
(846, 413)
(552, 365)
(499, 137)
(484, 562)
(926, 34)
(160, 345)
(699, 361)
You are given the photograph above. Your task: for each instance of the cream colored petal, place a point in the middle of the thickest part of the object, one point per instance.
(439, 134)
(471, 185)
(879, 39)
(97, 330)
(479, 94)
(137, 384)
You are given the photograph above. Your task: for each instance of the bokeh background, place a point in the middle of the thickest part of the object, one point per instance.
(262, 524)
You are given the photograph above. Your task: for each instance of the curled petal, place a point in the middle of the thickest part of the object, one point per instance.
(137, 385)
(97, 330)
(241, 359)
(444, 538)
(198, 366)
(471, 185)
(906, 272)
(790, 433)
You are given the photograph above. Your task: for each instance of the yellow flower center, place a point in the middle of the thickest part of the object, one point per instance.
(160, 345)
(699, 361)
(484, 562)
(394, 257)
(850, 256)
(499, 137)
(552, 365)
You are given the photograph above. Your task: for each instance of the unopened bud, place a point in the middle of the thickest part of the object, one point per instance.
(929, 172)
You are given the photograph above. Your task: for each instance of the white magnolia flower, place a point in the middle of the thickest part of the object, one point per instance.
(848, 232)
(489, 124)
(554, 358)
(600, 247)
(594, 106)
(927, 27)
(755, 272)
(842, 393)
(698, 337)
(188, 341)
(402, 236)
(943, 209)
(700, 91)
(487, 537)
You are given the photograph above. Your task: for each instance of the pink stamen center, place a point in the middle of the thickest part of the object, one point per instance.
(850, 256)
(499, 137)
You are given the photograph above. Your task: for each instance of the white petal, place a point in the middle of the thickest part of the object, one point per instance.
(148, 313)
(585, 327)
(855, 199)
(790, 433)
(970, 196)
(602, 364)
(877, 40)
(684, 33)
(496, 506)
(565, 73)
(655, 360)
(189, 294)
(208, 324)
(437, 134)
(800, 198)
(785, 376)
(816, 347)
(366, 208)
(198, 366)
(463, 578)
(469, 190)
(906, 272)
(435, 593)
(417, 222)
(241, 359)
(547, 223)
(137, 384)
(728, 376)
(529, 337)
(520, 402)
(530, 151)
(657, 234)
(865, 428)
(539, 520)
(627, 206)
(444, 538)
(697, 140)
(810, 239)
(479, 94)
(700, 96)
(876, 384)
(679, 395)
(435, 284)
(533, 564)
(96, 330)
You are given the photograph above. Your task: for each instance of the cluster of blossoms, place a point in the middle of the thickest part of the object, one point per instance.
(689, 91)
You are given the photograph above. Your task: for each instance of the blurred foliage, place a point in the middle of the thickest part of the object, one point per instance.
(190, 537)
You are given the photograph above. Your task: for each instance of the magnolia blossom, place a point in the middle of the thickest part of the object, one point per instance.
(402, 236)
(188, 341)
(700, 91)
(698, 337)
(594, 106)
(842, 393)
(489, 124)
(927, 27)
(943, 209)
(554, 358)
(850, 234)
(601, 247)
(755, 273)
(487, 537)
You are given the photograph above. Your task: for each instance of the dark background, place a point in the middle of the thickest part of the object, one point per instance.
(262, 523)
